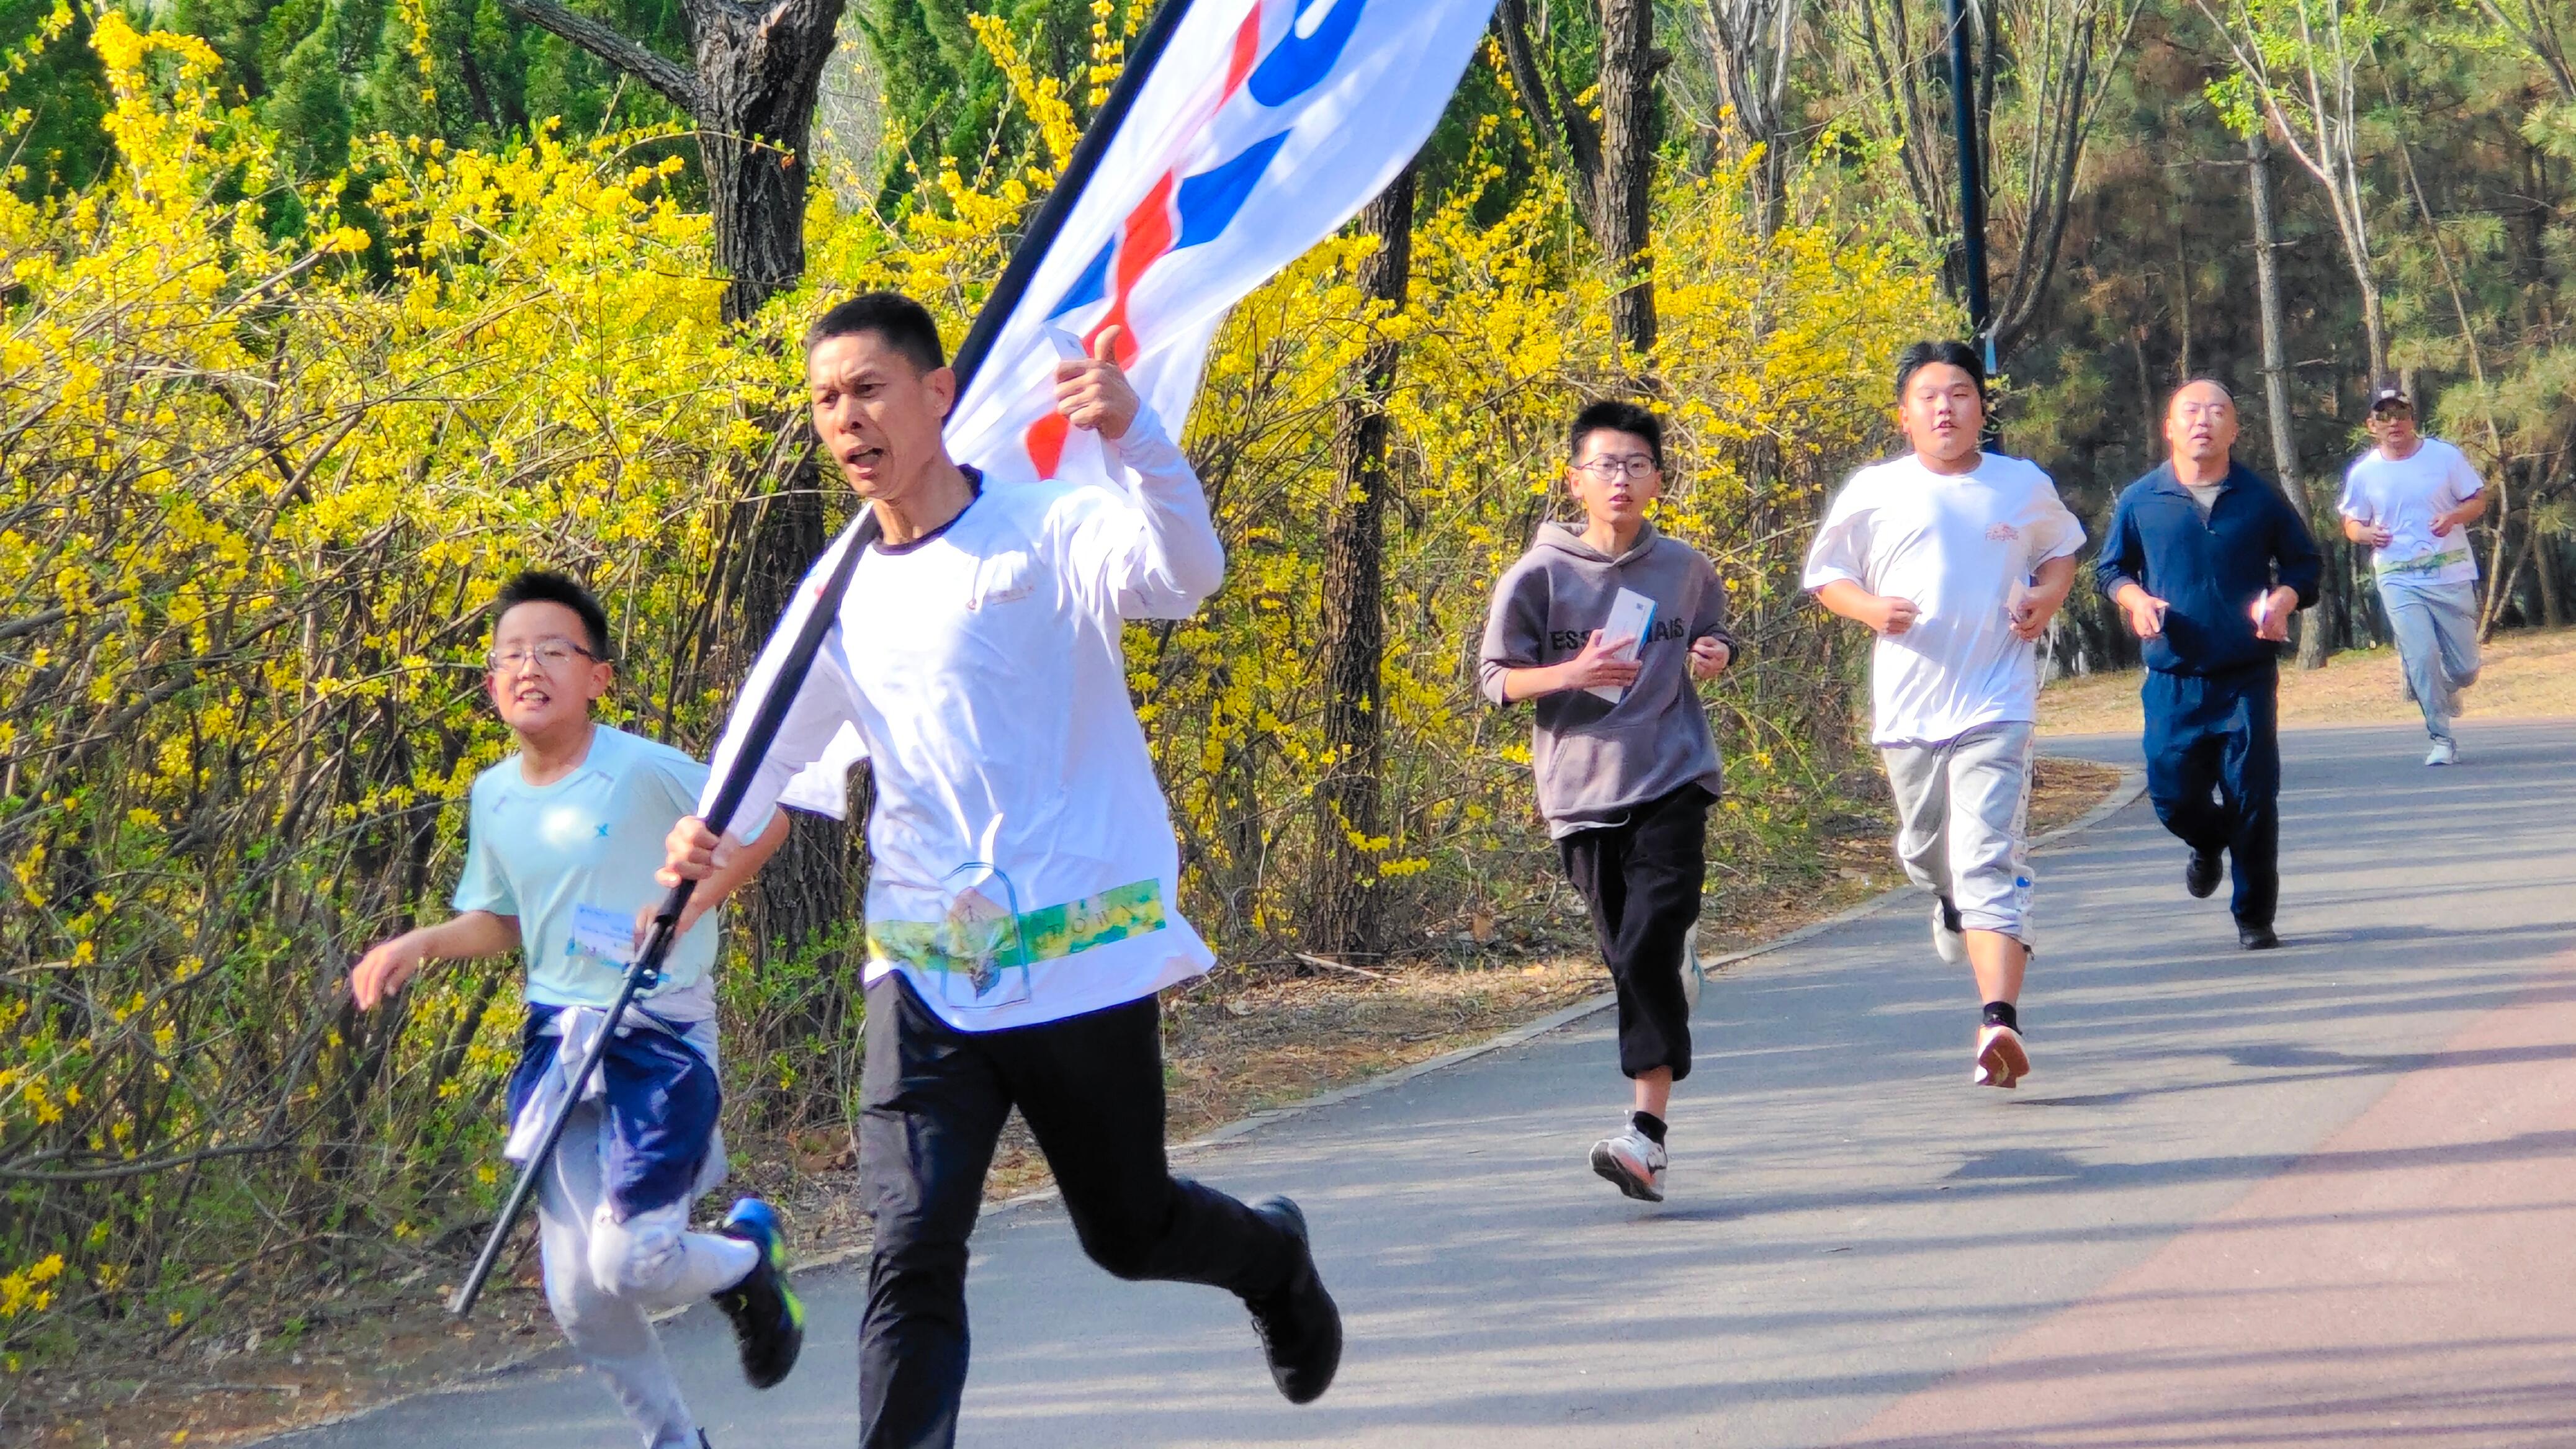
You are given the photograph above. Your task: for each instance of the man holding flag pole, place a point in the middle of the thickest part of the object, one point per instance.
(964, 638)
(1019, 910)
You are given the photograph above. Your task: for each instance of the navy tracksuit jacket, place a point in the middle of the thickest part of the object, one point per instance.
(2212, 687)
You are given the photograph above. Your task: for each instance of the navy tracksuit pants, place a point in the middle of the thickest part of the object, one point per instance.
(2213, 746)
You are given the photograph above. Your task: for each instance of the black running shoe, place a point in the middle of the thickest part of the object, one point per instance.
(2256, 938)
(768, 1321)
(2200, 876)
(1301, 1330)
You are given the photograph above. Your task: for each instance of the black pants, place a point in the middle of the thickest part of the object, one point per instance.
(1642, 880)
(934, 1100)
(2219, 735)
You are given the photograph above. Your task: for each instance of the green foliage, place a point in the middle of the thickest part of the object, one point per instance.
(58, 86)
(945, 96)
(320, 74)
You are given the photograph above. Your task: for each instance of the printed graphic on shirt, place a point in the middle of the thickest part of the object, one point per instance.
(981, 953)
(1005, 579)
(1571, 641)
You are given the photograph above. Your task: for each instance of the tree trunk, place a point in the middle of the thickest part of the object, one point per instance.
(2544, 571)
(2500, 518)
(1612, 166)
(1349, 915)
(1628, 65)
(760, 77)
(2276, 381)
(2374, 323)
(1562, 123)
(2501, 594)
(1749, 48)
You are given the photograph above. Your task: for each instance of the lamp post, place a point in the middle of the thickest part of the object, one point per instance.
(1972, 191)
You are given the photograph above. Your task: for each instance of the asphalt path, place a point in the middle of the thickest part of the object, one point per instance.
(2318, 1196)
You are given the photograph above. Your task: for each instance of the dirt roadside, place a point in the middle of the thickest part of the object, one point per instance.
(2528, 674)
(1232, 1049)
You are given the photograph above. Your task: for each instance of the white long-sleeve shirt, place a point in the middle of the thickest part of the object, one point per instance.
(1024, 864)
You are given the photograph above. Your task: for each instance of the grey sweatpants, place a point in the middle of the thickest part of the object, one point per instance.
(1963, 823)
(603, 1277)
(2437, 639)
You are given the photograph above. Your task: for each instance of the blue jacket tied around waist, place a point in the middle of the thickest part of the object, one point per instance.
(660, 1100)
(2209, 571)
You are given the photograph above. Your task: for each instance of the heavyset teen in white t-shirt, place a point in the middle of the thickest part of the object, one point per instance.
(1961, 547)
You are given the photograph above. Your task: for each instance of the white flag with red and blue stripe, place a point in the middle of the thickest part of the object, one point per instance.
(1262, 127)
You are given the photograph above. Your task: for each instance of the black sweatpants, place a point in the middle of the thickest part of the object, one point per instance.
(1642, 880)
(2219, 734)
(934, 1100)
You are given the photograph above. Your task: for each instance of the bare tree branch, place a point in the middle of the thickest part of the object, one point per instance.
(2528, 25)
(674, 80)
(1564, 124)
(14, 1173)
(2314, 113)
(2062, 110)
(1749, 44)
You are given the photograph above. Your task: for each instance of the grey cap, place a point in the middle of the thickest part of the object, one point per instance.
(2389, 390)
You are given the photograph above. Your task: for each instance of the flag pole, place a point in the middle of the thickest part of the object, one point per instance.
(1013, 284)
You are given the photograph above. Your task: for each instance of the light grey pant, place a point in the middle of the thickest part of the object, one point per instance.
(2437, 640)
(603, 1277)
(1963, 823)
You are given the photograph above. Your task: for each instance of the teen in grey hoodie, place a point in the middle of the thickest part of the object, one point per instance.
(1625, 783)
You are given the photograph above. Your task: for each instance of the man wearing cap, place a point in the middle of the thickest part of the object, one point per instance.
(2412, 499)
(2208, 561)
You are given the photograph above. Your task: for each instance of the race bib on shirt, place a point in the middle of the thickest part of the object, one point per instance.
(607, 934)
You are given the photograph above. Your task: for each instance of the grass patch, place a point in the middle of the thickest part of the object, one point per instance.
(2528, 674)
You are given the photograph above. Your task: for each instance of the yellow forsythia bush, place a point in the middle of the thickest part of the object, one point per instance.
(258, 492)
(269, 452)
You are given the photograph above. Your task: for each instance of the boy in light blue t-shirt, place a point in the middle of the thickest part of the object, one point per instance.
(562, 841)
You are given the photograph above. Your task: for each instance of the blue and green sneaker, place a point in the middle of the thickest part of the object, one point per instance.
(768, 1322)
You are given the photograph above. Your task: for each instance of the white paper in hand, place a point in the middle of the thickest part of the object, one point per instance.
(609, 934)
(1631, 614)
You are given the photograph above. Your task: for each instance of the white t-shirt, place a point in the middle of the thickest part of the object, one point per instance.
(1024, 864)
(1961, 548)
(592, 838)
(2402, 495)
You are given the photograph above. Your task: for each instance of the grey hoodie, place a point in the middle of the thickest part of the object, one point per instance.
(1596, 760)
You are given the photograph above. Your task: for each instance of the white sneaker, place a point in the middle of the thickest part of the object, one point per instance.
(1694, 976)
(2001, 1061)
(1633, 1161)
(1947, 941)
(2445, 752)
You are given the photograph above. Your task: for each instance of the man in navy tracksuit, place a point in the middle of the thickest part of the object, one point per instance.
(2208, 561)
